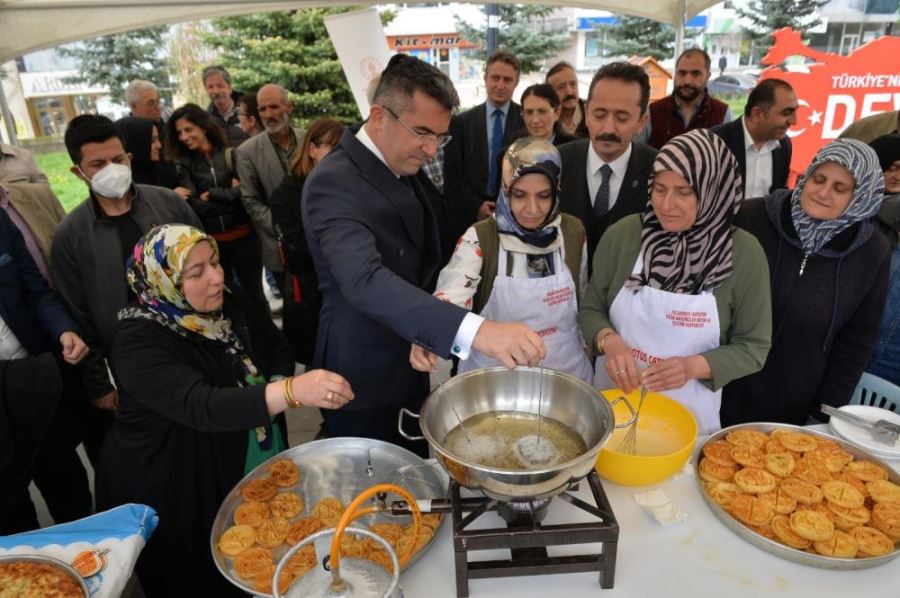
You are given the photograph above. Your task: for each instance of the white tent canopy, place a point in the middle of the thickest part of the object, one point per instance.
(29, 25)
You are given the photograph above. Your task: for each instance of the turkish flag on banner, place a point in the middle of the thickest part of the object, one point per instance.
(836, 91)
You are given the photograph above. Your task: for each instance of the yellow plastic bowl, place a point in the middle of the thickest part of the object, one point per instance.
(666, 430)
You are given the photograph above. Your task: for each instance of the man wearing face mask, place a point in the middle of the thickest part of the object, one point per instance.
(91, 245)
(262, 162)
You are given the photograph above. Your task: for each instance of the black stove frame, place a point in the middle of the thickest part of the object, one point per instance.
(527, 538)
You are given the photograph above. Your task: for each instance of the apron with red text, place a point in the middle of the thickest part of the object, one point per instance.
(658, 324)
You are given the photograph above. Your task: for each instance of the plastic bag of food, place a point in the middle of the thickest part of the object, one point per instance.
(103, 548)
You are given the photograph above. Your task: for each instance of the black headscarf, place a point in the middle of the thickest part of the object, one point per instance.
(137, 133)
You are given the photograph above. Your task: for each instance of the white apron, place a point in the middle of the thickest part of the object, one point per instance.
(658, 324)
(549, 306)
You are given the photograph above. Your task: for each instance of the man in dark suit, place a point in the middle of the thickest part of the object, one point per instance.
(34, 325)
(373, 238)
(564, 80)
(476, 144)
(759, 139)
(604, 178)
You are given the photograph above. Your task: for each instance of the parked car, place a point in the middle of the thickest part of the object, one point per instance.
(731, 85)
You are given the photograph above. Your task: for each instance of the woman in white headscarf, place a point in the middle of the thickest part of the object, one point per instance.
(527, 264)
(679, 299)
(829, 281)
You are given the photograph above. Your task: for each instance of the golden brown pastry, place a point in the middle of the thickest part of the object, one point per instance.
(812, 525)
(286, 505)
(260, 490)
(251, 513)
(284, 472)
(237, 539)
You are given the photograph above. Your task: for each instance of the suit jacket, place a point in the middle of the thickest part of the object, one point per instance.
(733, 135)
(33, 312)
(471, 150)
(374, 241)
(575, 196)
(260, 172)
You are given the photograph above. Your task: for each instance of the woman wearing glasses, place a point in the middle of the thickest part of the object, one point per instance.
(526, 264)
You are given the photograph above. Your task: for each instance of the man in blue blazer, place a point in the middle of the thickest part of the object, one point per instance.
(373, 237)
(34, 325)
(759, 139)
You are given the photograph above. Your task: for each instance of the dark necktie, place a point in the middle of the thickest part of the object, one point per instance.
(601, 200)
(496, 144)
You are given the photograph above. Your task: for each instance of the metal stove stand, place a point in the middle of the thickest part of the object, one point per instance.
(527, 539)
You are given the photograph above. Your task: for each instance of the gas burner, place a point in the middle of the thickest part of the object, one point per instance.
(527, 538)
(523, 512)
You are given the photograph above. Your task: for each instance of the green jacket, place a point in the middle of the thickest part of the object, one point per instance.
(743, 300)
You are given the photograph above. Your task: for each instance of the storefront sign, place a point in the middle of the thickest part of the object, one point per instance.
(53, 83)
(836, 90)
(403, 43)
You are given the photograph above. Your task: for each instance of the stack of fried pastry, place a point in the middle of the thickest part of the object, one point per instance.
(272, 518)
(803, 491)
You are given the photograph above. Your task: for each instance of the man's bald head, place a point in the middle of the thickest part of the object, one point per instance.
(274, 108)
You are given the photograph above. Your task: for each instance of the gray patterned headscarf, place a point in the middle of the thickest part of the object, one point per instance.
(697, 259)
(862, 163)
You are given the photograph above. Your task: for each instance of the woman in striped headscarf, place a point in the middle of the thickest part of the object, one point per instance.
(829, 281)
(679, 300)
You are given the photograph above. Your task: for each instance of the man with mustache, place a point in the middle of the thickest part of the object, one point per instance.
(262, 161)
(605, 177)
(759, 139)
(564, 81)
(689, 106)
(223, 103)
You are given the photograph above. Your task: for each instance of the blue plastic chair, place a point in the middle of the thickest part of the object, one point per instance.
(876, 392)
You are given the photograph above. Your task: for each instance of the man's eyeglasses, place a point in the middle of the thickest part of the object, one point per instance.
(438, 140)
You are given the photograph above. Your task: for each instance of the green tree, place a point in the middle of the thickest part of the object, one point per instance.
(116, 60)
(525, 30)
(636, 36)
(767, 16)
(292, 49)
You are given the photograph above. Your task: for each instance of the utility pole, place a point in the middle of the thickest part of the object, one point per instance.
(493, 27)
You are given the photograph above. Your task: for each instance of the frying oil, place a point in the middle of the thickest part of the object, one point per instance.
(492, 439)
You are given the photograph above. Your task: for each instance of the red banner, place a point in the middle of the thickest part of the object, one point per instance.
(837, 90)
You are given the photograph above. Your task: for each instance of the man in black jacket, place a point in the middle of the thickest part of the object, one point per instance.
(91, 245)
(759, 139)
(605, 178)
(223, 105)
(481, 132)
(34, 329)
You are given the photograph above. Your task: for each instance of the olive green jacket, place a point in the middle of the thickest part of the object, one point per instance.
(743, 300)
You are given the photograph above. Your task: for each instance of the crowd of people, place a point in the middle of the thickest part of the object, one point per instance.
(625, 242)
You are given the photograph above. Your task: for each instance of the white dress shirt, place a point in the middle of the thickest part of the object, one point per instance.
(594, 178)
(10, 347)
(465, 335)
(758, 177)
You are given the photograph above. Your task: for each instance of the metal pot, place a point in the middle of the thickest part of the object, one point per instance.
(565, 398)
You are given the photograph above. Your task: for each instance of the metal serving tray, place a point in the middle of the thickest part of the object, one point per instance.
(780, 550)
(342, 468)
(39, 558)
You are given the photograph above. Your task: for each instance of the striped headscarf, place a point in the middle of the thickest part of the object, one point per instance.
(698, 259)
(862, 163)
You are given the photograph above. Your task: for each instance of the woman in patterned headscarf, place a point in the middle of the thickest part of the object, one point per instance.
(527, 264)
(679, 300)
(829, 280)
(196, 368)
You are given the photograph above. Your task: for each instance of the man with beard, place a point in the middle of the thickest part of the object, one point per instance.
(689, 106)
(262, 161)
(223, 103)
(605, 177)
(759, 139)
(564, 81)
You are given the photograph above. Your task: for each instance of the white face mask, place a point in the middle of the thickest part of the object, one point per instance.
(113, 181)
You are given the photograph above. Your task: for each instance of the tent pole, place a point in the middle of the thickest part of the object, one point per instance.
(8, 121)
(493, 28)
(679, 28)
